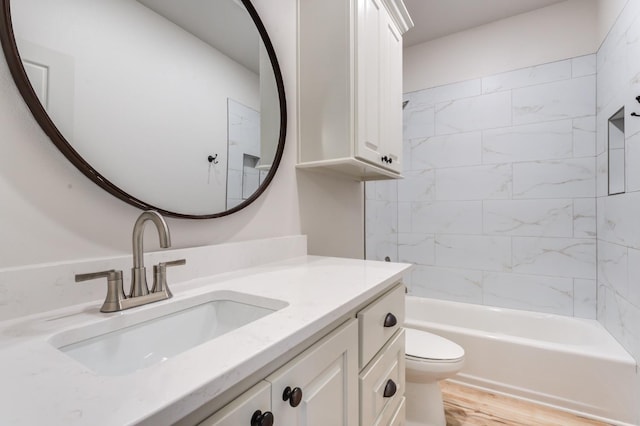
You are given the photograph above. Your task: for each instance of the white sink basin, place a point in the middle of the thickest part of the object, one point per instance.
(136, 341)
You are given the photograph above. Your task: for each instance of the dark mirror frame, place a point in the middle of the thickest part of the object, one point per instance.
(19, 74)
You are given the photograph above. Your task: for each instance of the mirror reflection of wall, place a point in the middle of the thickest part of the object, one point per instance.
(616, 153)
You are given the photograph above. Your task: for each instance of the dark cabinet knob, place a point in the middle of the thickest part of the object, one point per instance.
(294, 396)
(390, 320)
(262, 419)
(390, 389)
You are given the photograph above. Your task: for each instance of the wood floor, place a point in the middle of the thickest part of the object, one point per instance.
(465, 406)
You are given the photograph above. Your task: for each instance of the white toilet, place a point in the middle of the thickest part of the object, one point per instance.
(429, 358)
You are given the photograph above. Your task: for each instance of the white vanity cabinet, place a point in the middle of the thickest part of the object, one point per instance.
(350, 86)
(382, 362)
(321, 385)
(343, 379)
(326, 377)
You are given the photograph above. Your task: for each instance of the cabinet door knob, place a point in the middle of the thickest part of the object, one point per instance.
(390, 320)
(294, 396)
(390, 389)
(262, 419)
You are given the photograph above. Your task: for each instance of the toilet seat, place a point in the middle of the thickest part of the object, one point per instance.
(428, 347)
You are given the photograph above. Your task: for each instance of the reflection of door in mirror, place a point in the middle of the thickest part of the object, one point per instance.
(52, 77)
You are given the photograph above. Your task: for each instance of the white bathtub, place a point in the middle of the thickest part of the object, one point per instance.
(569, 363)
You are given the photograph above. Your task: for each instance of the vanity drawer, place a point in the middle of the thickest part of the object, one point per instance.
(385, 372)
(373, 332)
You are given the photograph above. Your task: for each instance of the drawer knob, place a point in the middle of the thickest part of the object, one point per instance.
(390, 389)
(262, 419)
(294, 396)
(390, 320)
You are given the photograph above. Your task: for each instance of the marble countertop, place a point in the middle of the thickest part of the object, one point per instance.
(42, 385)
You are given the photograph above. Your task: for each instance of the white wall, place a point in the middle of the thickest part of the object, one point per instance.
(332, 212)
(560, 31)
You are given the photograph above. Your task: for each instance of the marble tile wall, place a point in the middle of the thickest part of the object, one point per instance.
(618, 220)
(498, 202)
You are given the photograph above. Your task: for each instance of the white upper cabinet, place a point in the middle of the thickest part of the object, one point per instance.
(379, 79)
(391, 93)
(369, 79)
(350, 86)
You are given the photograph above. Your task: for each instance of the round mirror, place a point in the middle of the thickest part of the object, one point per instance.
(177, 106)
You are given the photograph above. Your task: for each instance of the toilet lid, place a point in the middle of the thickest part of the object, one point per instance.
(421, 344)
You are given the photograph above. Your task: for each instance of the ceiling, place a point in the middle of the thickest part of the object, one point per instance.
(438, 18)
(223, 24)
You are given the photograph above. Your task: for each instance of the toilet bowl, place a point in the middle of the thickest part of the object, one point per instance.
(428, 358)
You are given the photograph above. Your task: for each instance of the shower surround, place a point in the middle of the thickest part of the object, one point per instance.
(619, 215)
(498, 202)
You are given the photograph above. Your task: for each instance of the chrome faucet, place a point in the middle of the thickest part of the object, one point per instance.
(139, 291)
(139, 272)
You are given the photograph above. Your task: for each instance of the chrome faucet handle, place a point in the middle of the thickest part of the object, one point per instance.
(160, 276)
(115, 292)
